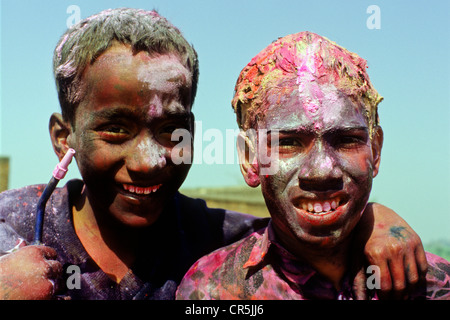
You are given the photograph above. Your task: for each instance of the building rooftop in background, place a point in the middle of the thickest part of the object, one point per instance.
(4, 173)
(240, 198)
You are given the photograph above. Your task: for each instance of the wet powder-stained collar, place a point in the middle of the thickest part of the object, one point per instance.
(267, 250)
(294, 270)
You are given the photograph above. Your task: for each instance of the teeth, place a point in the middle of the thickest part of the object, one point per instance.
(141, 190)
(320, 207)
(317, 207)
(334, 204)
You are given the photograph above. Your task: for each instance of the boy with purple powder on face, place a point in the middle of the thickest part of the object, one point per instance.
(126, 80)
(313, 105)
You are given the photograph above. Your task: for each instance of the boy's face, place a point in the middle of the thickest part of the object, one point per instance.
(122, 132)
(326, 165)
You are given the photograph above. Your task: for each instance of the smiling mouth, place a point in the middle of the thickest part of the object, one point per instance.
(136, 190)
(320, 207)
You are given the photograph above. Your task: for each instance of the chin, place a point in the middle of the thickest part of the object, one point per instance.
(330, 240)
(137, 217)
(136, 221)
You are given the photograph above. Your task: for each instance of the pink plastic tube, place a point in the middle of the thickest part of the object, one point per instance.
(61, 168)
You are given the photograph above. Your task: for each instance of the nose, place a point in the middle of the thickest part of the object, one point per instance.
(146, 156)
(320, 170)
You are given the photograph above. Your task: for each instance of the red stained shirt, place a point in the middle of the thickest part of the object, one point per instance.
(259, 268)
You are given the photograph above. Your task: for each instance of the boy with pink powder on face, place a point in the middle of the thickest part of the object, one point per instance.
(126, 80)
(313, 105)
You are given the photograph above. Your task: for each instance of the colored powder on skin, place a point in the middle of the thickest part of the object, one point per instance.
(311, 60)
(153, 155)
(305, 79)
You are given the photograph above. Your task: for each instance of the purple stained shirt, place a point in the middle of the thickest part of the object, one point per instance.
(186, 231)
(259, 268)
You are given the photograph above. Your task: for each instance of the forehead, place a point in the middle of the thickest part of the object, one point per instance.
(317, 107)
(118, 75)
(120, 57)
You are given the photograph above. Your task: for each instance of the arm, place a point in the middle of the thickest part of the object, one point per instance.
(390, 243)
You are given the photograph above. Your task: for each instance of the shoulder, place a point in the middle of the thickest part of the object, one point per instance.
(198, 207)
(231, 225)
(216, 275)
(18, 206)
(15, 201)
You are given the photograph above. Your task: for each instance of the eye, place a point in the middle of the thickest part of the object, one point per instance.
(350, 141)
(169, 129)
(166, 131)
(289, 142)
(114, 133)
(116, 130)
(287, 145)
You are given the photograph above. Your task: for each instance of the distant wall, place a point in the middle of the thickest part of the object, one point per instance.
(241, 199)
(4, 173)
(259, 210)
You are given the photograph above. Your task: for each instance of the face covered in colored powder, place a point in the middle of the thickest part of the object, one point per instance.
(122, 132)
(319, 109)
(326, 163)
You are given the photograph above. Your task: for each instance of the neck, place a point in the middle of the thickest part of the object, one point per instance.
(110, 244)
(329, 261)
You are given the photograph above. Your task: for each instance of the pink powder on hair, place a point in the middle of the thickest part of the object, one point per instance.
(311, 60)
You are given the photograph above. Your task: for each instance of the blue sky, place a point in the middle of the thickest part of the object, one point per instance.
(408, 60)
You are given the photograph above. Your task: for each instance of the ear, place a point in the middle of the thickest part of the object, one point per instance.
(247, 160)
(59, 133)
(377, 145)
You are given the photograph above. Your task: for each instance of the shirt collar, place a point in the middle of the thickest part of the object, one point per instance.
(294, 269)
(260, 248)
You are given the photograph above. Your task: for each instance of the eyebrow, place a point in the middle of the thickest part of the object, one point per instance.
(123, 112)
(113, 113)
(347, 129)
(327, 131)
